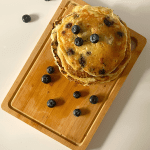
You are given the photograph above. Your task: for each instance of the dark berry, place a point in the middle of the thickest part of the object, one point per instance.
(102, 71)
(26, 18)
(51, 103)
(76, 94)
(77, 112)
(75, 29)
(70, 52)
(50, 69)
(88, 53)
(47, 0)
(120, 34)
(46, 79)
(93, 99)
(68, 25)
(78, 41)
(63, 32)
(107, 22)
(82, 61)
(94, 38)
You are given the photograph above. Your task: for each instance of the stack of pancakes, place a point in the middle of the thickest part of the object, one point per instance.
(91, 63)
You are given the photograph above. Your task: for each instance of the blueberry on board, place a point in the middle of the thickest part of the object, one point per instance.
(77, 112)
(78, 41)
(51, 103)
(93, 99)
(26, 18)
(46, 79)
(76, 94)
(94, 38)
(50, 70)
(47, 0)
(75, 29)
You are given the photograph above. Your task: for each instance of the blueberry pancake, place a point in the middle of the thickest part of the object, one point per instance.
(91, 45)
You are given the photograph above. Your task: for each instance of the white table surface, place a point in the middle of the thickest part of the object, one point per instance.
(126, 126)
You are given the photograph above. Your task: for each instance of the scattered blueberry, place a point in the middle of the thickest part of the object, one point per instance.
(107, 22)
(75, 29)
(51, 103)
(76, 94)
(78, 41)
(93, 99)
(47, 0)
(102, 71)
(77, 112)
(26, 18)
(94, 38)
(46, 79)
(50, 69)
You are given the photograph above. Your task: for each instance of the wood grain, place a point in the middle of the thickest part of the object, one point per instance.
(28, 96)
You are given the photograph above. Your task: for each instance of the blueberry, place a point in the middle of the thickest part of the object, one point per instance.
(26, 18)
(120, 34)
(78, 41)
(102, 71)
(94, 38)
(46, 79)
(68, 25)
(47, 0)
(51, 103)
(75, 29)
(107, 22)
(93, 99)
(70, 52)
(88, 53)
(77, 112)
(63, 32)
(50, 70)
(82, 61)
(76, 94)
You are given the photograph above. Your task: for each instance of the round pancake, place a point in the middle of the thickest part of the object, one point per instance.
(80, 75)
(107, 54)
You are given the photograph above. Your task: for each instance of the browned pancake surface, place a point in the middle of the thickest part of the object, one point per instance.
(106, 54)
(111, 53)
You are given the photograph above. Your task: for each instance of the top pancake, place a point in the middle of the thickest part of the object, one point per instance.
(107, 54)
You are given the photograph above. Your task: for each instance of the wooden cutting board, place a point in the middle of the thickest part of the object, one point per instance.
(27, 99)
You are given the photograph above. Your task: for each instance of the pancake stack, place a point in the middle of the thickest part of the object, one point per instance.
(91, 45)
